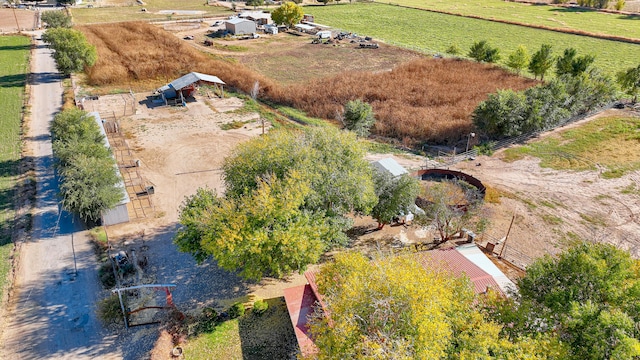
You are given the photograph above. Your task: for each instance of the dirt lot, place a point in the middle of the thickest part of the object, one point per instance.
(290, 58)
(26, 19)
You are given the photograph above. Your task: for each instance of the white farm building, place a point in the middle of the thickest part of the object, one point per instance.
(238, 26)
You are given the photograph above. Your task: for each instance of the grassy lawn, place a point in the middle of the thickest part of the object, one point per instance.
(610, 142)
(13, 72)
(131, 13)
(432, 32)
(269, 336)
(551, 16)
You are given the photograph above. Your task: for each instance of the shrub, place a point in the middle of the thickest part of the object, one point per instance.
(109, 309)
(481, 51)
(454, 49)
(260, 307)
(107, 278)
(358, 117)
(236, 310)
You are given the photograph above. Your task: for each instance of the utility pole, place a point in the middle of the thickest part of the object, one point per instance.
(506, 237)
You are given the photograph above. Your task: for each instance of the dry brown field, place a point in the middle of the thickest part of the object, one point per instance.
(416, 99)
(26, 20)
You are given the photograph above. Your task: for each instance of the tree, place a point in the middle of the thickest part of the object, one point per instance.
(396, 308)
(503, 114)
(331, 159)
(89, 182)
(450, 206)
(89, 186)
(56, 19)
(589, 295)
(570, 64)
(395, 195)
(541, 61)
(286, 194)
(629, 81)
(263, 233)
(519, 59)
(255, 3)
(72, 51)
(288, 14)
(481, 51)
(358, 117)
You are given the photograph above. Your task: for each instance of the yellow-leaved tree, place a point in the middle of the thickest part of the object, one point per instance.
(394, 308)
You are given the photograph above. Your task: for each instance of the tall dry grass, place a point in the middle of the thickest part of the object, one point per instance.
(138, 51)
(425, 100)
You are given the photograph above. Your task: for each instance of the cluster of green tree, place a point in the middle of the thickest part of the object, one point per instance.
(538, 64)
(287, 194)
(72, 51)
(396, 308)
(509, 113)
(56, 19)
(88, 178)
(588, 298)
(582, 305)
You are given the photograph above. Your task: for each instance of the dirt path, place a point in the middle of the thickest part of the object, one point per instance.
(52, 315)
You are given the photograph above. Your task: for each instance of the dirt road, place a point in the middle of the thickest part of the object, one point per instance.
(52, 315)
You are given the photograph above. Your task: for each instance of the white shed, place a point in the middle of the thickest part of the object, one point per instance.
(239, 26)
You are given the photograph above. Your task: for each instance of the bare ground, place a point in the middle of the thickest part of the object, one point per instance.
(26, 19)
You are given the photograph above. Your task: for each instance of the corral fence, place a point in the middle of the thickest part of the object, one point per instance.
(499, 247)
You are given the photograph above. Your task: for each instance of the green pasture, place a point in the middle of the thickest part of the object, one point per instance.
(609, 143)
(130, 12)
(539, 15)
(13, 75)
(433, 33)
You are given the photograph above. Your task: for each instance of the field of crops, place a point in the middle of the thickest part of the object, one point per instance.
(13, 70)
(550, 16)
(431, 32)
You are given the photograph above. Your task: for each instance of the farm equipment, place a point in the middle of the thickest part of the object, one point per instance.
(369, 46)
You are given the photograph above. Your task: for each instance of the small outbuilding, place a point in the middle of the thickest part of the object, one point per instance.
(186, 86)
(305, 28)
(259, 17)
(238, 26)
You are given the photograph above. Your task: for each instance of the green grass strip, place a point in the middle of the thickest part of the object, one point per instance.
(13, 74)
(610, 142)
(570, 18)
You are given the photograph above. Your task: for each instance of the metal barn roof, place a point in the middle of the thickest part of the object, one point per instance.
(236, 21)
(476, 256)
(189, 79)
(391, 166)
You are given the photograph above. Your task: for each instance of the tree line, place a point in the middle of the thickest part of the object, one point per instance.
(577, 88)
(87, 171)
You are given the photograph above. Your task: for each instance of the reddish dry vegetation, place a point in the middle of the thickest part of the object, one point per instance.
(425, 100)
(137, 52)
